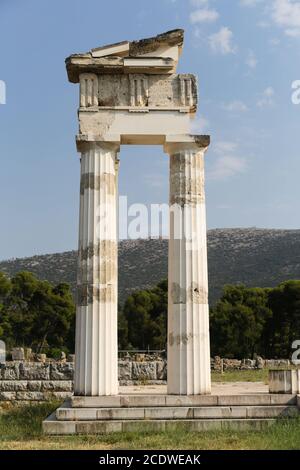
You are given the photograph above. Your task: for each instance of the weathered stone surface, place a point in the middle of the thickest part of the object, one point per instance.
(110, 58)
(64, 371)
(61, 395)
(34, 385)
(161, 370)
(144, 371)
(18, 354)
(41, 357)
(57, 386)
(8, 396)
(28, 354)
(260, 363)
(270, 363)
(34, 371)
(9, 371)
(30, 396)
(248, 364)
(124, 370)
(231, 364)
(284, 381)
(12, 385)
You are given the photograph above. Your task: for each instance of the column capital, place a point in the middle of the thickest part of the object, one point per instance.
(177, 143)
(87, 142)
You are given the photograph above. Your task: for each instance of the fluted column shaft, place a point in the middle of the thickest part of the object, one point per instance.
(96, 350)
(188, 313)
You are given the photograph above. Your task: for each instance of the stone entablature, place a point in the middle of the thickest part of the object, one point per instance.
(155, 55)
(146, 92)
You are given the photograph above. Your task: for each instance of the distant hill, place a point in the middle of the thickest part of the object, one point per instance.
(255, 257)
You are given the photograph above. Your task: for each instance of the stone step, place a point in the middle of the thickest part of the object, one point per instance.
(175, 413)
(54, 427)
(156, 400)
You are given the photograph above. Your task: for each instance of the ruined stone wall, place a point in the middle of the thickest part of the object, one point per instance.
(24, 382)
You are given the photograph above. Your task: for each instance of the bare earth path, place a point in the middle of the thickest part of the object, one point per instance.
(233, 388)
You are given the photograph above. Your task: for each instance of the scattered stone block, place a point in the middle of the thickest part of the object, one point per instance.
(28, 354)
(284, 381)
(63, 357)
(41, 358)
(18, 354)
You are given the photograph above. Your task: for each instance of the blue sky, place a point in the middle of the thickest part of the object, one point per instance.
(246, 54)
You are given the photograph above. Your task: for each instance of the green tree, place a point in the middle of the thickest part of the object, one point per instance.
(284, 327)
(36, 314)
(53, 310)
(21, 317)
(146, 314)
(122, 331)
(5, 289)
(238, 321)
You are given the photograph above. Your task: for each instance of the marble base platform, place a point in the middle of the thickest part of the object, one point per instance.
(160, 412)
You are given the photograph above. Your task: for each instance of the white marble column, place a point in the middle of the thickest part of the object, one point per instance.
(96, 350)
(188, 313)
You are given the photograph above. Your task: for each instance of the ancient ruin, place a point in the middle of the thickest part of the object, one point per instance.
(130, 94)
